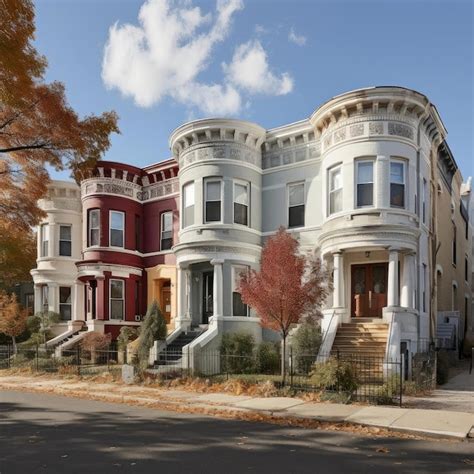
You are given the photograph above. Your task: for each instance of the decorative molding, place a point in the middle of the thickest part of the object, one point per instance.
(375, 128)
(395, 128)
(291, 154)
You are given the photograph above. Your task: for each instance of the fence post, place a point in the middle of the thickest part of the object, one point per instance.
(78, 359)
(401, 377)
(37, 356)
(8, 356)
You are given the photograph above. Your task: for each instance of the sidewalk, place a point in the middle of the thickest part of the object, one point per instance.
(439, 423)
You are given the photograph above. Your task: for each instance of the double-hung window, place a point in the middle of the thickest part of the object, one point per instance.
(117, 226)
(241, 203)
(166, 230)
(45, 297)
(213, 196)
(117, 300)
(397, 184)
(65, 305)
(454, 249)
(423, 201)
(93, 231)
(239, 308)
(335, 189)
(296, 205)
(188, 204)
(44, 239)
(365, 183)
(65, 240)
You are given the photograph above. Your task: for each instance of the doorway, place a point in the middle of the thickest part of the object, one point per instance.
(165, 300)
(207, 296)
(368, 290)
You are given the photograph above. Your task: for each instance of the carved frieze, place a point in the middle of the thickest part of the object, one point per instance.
(356, 130)
(395, 128)
(340, 135)
(375, 128)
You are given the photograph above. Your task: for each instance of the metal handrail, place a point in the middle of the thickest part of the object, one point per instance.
(327, 330)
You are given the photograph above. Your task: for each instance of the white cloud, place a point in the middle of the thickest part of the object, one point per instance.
(300, 40)
(250, 71)
(172, 44)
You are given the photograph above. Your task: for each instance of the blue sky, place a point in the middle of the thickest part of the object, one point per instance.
(253, 67)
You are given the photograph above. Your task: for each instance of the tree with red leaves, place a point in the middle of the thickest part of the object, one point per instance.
(289, 286)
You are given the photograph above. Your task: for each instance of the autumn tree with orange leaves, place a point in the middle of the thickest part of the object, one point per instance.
(289, 286)
(12, 317)
(38, 128)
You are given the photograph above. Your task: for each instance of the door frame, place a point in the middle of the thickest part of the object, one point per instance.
(369, 276)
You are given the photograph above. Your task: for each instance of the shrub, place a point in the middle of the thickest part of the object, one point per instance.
(127, 335)
(93, 342)
(305, 344)
(334, 375)
(237, 353)
(153, 329)
(268, 358)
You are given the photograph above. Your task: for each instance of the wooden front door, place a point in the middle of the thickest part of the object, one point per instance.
(368, 290)
(166, 303)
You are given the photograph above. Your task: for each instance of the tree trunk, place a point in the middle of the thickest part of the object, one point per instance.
(283, 359)
(14, 345)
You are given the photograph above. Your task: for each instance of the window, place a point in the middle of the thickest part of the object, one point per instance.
(397, 184)
(241, 203)
(365, 183)
(213, 201)
(466, 269)
(30, 303)
(166, 230)
(423, 288)
(296, 205)
(188, 204)
(335, 190)
(117, 305)
(137, 297)
(65, 303)
(44, 238)
(45, 297)
(455, 297)
(423, 201)
(238, 306)
(93, 233)
(65, 240)
(117, 219)
(454, 247)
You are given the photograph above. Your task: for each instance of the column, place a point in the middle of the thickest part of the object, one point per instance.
(407, 296)
(338, 289)
(184, 296)
(382, 186)
(218, 295)
(393, 297)
(78, 302)
(53, 243)
(53, 297)
(38, 299)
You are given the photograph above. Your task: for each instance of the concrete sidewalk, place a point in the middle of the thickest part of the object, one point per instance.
(440, 423)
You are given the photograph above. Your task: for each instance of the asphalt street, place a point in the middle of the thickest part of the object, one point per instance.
(54, 434)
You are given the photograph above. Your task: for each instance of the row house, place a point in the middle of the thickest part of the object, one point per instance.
(358, 182)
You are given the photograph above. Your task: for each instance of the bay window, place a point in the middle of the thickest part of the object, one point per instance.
(117, 226)
(397, 184)
(93, 231)
(117, 300)
(296, 205)
(44, 239)
(188, 204)
(335, 190)
(241, 203)
(65, 305)
(213, 198)
(365, 183)
(239, 308)
(166, 230)
(65, 240)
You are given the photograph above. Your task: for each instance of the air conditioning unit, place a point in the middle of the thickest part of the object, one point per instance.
(138, 318)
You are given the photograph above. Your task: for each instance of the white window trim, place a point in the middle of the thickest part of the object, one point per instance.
(183, 204)
(89, 228)
(116, 299)
(235, 269)
(288, 186)
(330, 171)
(247, 185)
(44, 227)
(357, 163)
(62, 240)
(221, 182)
(161, 230)
(65, 304)
(110, 229)
(405, 186)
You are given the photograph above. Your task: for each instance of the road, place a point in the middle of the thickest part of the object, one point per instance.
(54, 434)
